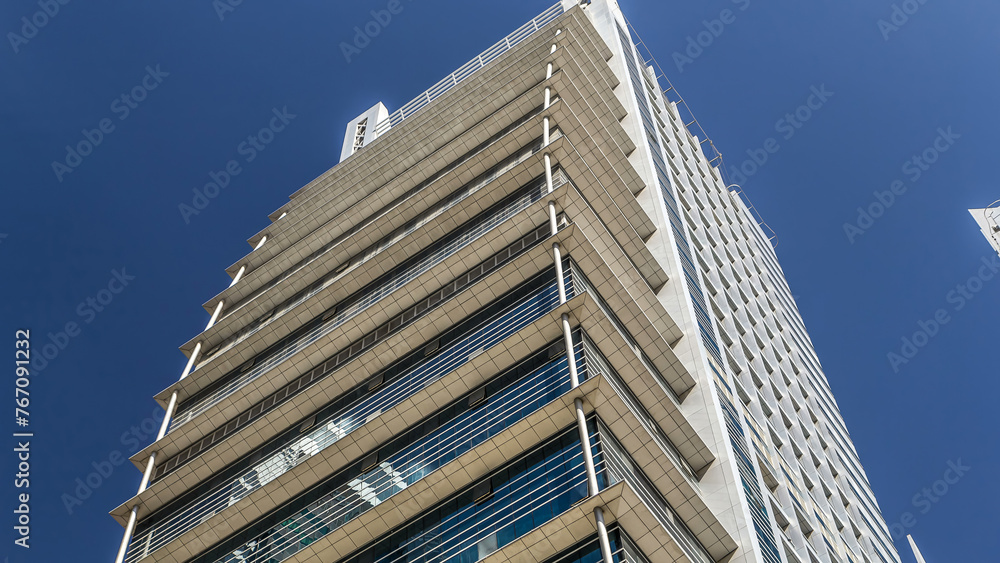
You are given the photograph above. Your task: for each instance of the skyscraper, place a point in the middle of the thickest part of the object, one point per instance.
(988, 220)
(916, 551)
(524, 319)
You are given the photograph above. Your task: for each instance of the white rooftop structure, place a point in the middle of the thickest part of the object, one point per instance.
(989, 221)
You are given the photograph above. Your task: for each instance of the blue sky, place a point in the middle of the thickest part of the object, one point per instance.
(99, 241)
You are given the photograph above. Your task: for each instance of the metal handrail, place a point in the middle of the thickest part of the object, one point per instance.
(995, 218)
(468, 69)
(473, 233)
(621, 467)
(332, 511)
(224, 496)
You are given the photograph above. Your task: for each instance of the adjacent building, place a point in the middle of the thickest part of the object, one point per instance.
(988, 220)
(524, 319)
(916, 551)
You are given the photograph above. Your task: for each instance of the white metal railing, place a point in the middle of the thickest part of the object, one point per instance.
(398, 280)
(992, 214)
(469, 68)
(354, 262)
(621, 467)
(596, 364)
(395, 204)
(539, 487)
(377, 485)
(625, 552)
(407, 466)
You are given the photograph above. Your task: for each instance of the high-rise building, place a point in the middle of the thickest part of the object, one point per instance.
(524, 319)
(916, 551)
(988, 220)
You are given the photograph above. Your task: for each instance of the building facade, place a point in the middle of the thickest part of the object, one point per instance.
(524, 319)
(988, 220)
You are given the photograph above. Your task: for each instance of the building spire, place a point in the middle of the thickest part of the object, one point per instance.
(916, 551)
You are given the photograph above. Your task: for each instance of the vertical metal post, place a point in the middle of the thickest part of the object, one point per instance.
(548, 173)
(574, 376)
(263, 239)
(215, 315)
(151, 462)
(545, 126)
(173, 398)
(602, 533)
(191, 360)
(148, 473)
(129, 528)
(167, 416)
(238, 275)
(560, 278)
(588, 456)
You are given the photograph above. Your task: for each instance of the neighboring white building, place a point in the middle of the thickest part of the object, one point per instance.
(916, 551)
(524, 319)
(988, 220)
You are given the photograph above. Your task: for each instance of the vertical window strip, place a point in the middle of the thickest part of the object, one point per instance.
(765, 535)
